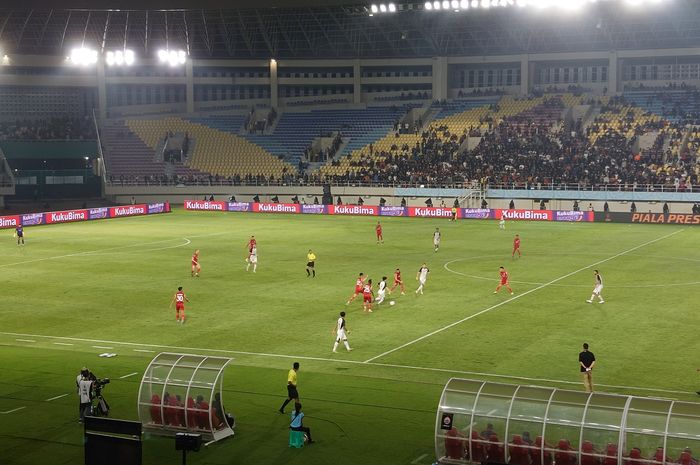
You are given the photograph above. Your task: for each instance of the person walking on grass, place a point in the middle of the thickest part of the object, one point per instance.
(292, 394)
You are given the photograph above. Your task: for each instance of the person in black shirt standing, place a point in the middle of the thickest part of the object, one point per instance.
(586, 360)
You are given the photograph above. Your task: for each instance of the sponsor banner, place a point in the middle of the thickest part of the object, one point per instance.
(10, 221)
(370, 210)
(648, 218)
(32, 219)
(98, 213)
(239, 207)
(205, 205)
(314, 209)
(573, 215)
(162, 207)
(476, 213)
(67, 216)
(431, 212)
(129, 210)
(530, 215)
(276, 208)
(393, 211)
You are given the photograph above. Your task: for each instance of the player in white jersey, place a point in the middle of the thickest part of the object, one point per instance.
(597, 289)
(436, 239)
(381, 292)
(502, 222)
(422, 277)
(252, 259)
(340, 332)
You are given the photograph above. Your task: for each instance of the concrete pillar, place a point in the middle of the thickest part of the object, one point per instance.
(189, 85)
(440, 78)
(274, 87)
(356, 82)
(525, 78)
(613, 62)
(101, 89)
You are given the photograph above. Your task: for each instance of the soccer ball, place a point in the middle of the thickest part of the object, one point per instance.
(392, 302)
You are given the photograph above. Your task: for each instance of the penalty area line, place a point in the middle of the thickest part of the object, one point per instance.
(500, 304)
(349, 362)
(129, 375)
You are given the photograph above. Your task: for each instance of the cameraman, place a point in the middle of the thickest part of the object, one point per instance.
(85, 393)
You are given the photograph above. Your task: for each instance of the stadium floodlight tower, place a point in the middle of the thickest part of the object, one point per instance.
(184, 393)
(533, 425)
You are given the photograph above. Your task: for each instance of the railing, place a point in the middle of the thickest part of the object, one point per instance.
(416, 185)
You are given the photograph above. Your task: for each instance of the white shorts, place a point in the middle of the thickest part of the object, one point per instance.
(422, 281)
(253, 259)
(598, 288)
(436, 243)
(341, 336)
(381, 292)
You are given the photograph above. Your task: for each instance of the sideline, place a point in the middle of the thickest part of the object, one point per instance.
(339, 360)
(500, 304)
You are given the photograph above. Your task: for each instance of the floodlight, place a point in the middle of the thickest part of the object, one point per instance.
(455, 4)
(83, 56)
(445, 4)
(172, 57)
(392, 8)
(374, 8)
(436, 5)
(485, 3)
(428, 6)
(382, 8)
(464, 4)
(475, 3)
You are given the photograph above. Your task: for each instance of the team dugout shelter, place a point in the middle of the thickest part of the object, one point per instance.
(496, 423)
(184, 393)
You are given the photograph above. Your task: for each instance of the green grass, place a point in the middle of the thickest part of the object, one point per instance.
(113, 281)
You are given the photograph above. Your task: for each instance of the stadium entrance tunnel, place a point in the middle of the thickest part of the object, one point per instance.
(183, 393)
(496, 423)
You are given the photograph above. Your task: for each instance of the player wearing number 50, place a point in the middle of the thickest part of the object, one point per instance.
(179, 299)
(340, 332)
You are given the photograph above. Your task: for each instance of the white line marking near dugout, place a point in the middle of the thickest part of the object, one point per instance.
(25, 340)
(103, 347)
(13, 410)
(500, 304)
(144, 350)
(419, 459)
(57, 397)
(349, 362)
(62, 344)
(129, 375)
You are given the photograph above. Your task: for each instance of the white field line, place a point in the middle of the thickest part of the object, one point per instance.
(13, 410)
(350, 362)
(419, 459)
(500, 304)
(25, 340)
(102, 347)
(129, 375)
(57, 397)
(63, 344)
(98, 251)
(144, 350)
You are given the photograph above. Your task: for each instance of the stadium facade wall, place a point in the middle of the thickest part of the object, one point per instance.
(370, 196)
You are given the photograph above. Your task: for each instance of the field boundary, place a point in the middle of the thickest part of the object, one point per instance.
(330, 360)
(516, 297)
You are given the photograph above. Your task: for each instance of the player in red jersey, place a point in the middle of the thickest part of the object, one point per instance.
(380, 237)
(367, 296)
(397, 282)
(516, 246)
(179, 299)
(196, 267)
(252, 243)
(359, 284)
(504, 281)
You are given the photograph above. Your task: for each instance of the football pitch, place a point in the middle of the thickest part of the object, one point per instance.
(76, 291)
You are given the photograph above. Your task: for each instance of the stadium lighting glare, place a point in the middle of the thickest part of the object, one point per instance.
(392, 8)
(382, 8)
(120, 58)
(374, 9)
(485, 3)
(464, 4)
(428, 6)
(172, 57)
(83, 56)
(436, 5)
(445, 4)
(454, 4)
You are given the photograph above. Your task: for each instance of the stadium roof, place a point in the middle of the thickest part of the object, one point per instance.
(346, 31)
